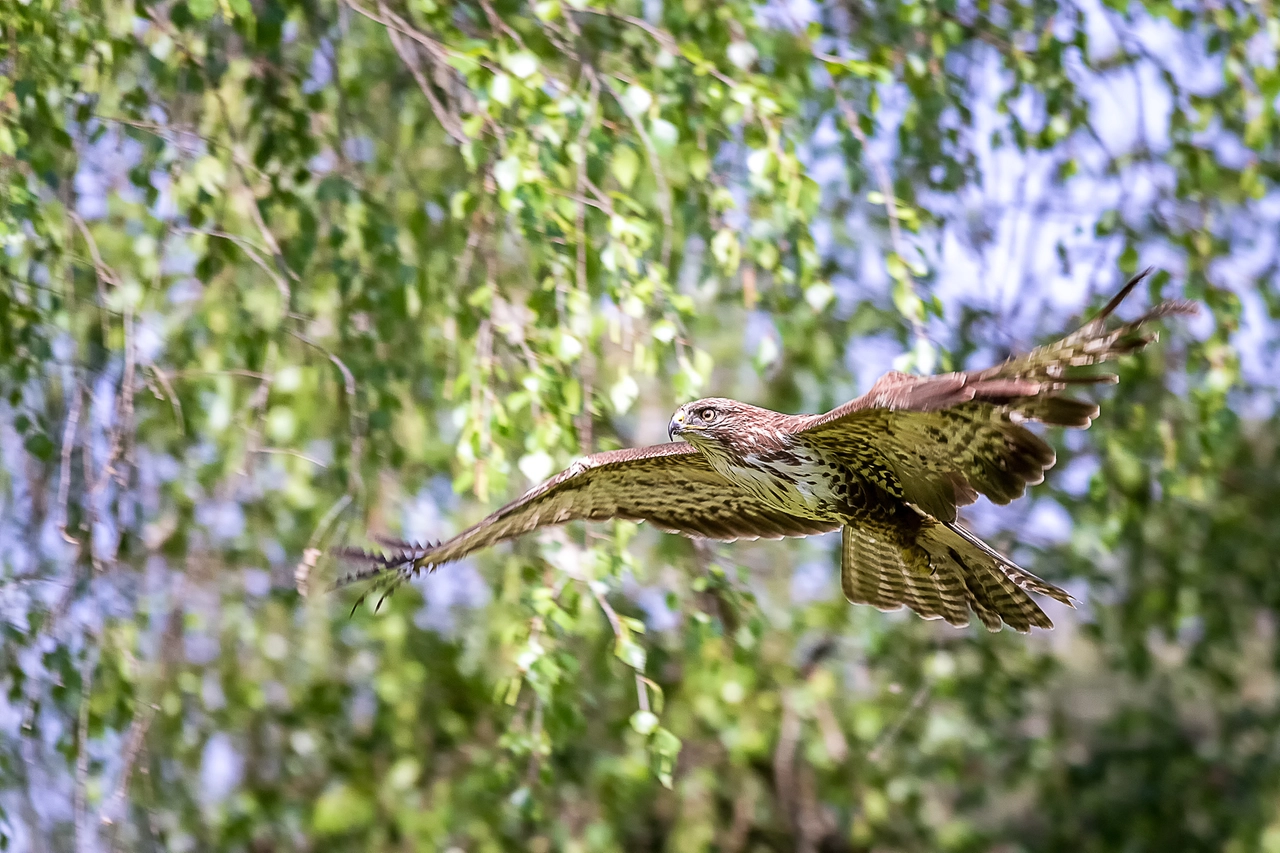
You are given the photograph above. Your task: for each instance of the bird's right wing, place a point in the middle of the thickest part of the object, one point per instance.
(671, 486)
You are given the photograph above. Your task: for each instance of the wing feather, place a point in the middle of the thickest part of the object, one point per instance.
(671, 486)
(950, 437)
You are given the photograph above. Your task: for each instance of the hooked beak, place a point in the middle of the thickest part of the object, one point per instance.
(676, 426)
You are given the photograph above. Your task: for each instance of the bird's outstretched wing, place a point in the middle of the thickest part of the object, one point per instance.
(671, 486)
(953, 436)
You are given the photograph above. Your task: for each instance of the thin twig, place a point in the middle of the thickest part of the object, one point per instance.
(535, 736)
(586, 436)
(349, 386)
(124, 403)
(606, 203)
(986, 35)
(555, 32)
(311, 554)
(448, 120)
(481, 407)
(162, 131)
(469, 249)
(172, 395)
(82, 750)
(439, 52)
(784, 754)
(133, 747)
(886, 739)
(124, 425)
(584, 132)
(105, 273)
(249, 249)
(232, 371)
(241, 163)
(642, 694)
(581, 201)
(496, 22)
(348, 379)
(664, 38)
(284, 451)
(64, 475)
(255, 213)
(257, 407)
(612, 615)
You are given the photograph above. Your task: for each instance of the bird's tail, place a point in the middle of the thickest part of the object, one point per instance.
(996, 588)
(941, 571)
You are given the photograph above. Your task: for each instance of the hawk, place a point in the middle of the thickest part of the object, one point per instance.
(888, 469)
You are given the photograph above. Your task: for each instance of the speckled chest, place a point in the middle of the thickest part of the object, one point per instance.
(793, 479)
(808, 481)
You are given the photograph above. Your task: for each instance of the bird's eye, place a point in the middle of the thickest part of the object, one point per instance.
(707, 415)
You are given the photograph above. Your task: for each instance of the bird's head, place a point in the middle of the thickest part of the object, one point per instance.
(717, 420)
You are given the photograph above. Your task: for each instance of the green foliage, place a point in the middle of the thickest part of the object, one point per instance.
(280, 274)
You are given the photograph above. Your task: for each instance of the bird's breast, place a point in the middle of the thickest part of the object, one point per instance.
(795, 480)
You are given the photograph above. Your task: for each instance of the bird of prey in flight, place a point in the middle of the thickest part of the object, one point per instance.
(888, 469)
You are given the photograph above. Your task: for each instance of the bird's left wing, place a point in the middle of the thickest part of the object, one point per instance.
(671, 486)
(950, 437)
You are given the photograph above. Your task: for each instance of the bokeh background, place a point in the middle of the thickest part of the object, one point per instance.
(280, 275)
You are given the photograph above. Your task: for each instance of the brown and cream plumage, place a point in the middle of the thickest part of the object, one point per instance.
(889, 469)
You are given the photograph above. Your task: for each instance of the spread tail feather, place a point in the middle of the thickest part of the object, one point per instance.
(997, 589)
(941, 571)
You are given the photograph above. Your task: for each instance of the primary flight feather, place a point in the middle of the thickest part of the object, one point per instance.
(889, 469)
